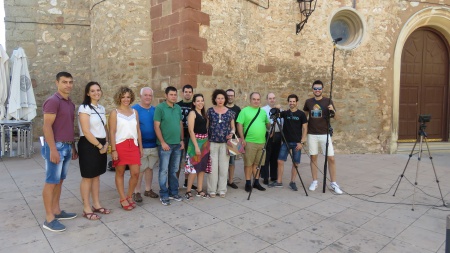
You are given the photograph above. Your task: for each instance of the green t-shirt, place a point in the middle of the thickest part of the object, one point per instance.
(170, 118)
(257, 132)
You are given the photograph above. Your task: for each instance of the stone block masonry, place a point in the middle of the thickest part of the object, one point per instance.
(177, 50)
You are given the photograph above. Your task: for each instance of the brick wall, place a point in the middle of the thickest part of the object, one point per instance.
(177, 51)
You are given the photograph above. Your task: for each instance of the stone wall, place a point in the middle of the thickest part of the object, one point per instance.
(121, 46)
(55, 36)
(256, 49)
(220, 44)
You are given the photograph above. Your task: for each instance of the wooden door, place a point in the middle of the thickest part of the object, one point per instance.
(424, 85)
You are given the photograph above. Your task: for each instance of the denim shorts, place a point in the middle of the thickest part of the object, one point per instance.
(232, 160)
(295, 153)
(54, 173)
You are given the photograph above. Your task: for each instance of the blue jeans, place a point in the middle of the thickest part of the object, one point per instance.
(169, 162)
(284, 151)
(54, 173)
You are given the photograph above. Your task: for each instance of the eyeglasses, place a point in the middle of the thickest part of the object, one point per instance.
(317, 88)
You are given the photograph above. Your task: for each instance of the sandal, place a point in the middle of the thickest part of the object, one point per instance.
(131, 202)
(202, 194)
(128, 207)
(188, 196)
(101, 210)
(91, 216)
(212, 195)
(222, 195)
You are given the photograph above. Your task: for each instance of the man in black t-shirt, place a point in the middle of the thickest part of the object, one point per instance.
(319, 108)
(185, 104)
(295, 128)
(236, 109)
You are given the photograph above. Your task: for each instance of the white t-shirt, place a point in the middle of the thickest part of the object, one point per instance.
(96, 126)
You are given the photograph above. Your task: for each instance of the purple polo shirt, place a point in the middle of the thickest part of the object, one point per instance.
(63, 126)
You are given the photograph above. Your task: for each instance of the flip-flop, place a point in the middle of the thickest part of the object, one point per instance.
(91, 216)
(101, 210)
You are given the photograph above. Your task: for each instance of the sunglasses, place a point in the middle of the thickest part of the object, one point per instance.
(317, 88)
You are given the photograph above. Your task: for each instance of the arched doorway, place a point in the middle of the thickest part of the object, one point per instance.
(424, 85)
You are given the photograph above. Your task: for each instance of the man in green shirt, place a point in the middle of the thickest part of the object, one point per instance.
(252, 124)
(169, 131)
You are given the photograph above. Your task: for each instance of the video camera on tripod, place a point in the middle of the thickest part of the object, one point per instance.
(275, 113)
(423, 118)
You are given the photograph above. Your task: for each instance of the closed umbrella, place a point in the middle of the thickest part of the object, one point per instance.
(4, 81)
(21, 102)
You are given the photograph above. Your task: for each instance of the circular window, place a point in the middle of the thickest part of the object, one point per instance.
(347, 28)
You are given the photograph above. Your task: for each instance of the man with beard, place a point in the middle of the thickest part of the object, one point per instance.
(319, 108)
(295, 128)
(236, 109)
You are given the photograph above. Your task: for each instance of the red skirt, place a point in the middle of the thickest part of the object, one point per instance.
(128, 153)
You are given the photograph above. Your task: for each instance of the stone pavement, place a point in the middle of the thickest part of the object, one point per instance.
(278, 220)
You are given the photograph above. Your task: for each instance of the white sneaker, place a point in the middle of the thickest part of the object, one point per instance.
(336, 188)
(313, 186)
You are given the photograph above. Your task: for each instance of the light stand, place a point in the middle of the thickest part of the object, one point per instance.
(422, 135)
(327, 117)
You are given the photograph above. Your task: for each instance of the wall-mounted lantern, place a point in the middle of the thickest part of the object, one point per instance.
(307, 7)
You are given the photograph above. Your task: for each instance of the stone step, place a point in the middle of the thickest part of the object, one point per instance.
(441, 147)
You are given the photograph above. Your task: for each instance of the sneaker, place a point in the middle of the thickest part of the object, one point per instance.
(65, 216)
(248, 188)
(293, 186)
(313, 186)
(259, 187)
(151, 194)
(165, 202)
(232, 185)
(276, 184)
(137, 197)
(54, 226)
(176, 197)
(336, 188)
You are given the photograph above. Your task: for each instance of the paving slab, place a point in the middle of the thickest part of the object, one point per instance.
(366, 218)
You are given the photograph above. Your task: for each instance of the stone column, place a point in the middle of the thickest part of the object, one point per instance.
(177, 54)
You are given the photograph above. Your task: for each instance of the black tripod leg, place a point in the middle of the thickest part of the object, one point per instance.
(434, 170)
(283, 140)
(403, 173)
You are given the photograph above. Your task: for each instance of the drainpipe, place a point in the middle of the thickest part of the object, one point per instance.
(354, 4)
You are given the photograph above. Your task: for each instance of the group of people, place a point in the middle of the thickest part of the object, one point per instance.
(177, 136)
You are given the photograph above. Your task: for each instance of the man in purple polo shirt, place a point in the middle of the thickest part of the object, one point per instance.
(58, 150)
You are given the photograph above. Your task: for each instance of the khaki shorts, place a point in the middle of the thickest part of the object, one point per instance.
(253, 152)
(149, 159)
(316, 140)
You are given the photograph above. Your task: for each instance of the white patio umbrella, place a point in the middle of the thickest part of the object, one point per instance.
(21, 102)
(4, 81)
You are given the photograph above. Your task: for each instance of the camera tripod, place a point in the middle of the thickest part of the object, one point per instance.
(422, 135)
(283, 140)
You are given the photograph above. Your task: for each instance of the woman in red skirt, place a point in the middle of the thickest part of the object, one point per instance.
(126, 144)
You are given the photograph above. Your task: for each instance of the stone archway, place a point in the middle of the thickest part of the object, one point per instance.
(437, 18)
